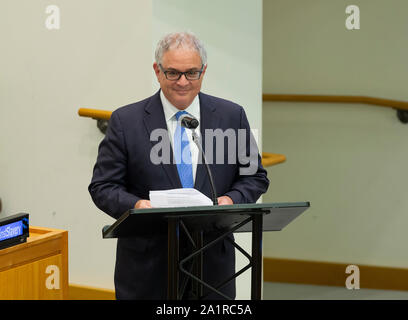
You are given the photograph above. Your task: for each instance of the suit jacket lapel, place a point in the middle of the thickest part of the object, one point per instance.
(208, 120)
(154, 119)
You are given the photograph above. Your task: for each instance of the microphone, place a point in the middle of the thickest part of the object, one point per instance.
(192, 123)
(189, 122)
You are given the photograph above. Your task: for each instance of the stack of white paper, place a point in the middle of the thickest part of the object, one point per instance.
(184, 197)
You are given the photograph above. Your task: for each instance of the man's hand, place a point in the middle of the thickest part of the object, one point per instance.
(224, 200)
(143, 204)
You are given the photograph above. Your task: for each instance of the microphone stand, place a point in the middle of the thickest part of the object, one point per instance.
(196, 141)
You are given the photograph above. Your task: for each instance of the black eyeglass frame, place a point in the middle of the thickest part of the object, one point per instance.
(181, 73)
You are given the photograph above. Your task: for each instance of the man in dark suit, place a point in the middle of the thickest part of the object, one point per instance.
(125, 172)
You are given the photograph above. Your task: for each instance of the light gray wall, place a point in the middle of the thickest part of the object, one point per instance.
(99, 58)
(232, 33)
(348, 160)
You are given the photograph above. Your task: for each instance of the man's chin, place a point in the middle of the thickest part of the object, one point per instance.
(181, 105)
(182, 102)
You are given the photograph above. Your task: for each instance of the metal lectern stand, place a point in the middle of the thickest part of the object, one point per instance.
(254, 218)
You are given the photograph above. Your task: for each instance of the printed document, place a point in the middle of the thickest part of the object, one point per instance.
(183, 197)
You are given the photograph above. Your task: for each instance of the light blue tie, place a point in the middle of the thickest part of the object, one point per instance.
(182, 154)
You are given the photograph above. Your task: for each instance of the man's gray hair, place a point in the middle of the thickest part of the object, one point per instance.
(186, 40)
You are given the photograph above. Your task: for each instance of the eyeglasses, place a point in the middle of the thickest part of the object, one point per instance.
(174, 75)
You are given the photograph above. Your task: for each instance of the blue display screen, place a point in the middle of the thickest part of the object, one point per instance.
(11, 230)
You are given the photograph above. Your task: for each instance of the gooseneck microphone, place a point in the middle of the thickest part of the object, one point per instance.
(189, 122)
(192, 123)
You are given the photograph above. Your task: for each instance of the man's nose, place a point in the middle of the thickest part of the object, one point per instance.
(183, 80)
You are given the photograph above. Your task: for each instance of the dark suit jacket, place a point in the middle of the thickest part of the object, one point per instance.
(124, 174)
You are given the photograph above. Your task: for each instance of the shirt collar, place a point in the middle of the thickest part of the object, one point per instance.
(170, 110)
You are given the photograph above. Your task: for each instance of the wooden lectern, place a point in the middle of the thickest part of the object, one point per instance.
(36, 269)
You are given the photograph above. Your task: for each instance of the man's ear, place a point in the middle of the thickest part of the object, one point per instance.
(156, 69)
(204, 69)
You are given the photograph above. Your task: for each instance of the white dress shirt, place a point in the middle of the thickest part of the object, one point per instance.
(170, 114)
